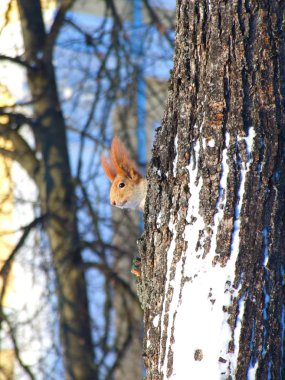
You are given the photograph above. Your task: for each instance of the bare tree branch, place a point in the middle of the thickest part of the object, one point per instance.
(55, 28)
(115, 14)
(157, 22)
(17, 60)
(21, 152)
(113, 276)
(15, 119)
(26, 231)
(16, 348)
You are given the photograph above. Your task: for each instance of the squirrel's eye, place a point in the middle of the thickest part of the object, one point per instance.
(121, 185)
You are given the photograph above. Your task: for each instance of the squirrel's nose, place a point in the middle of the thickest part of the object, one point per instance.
(113, 203)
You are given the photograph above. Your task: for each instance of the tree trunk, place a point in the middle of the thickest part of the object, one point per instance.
(213, 257)
(57, 198)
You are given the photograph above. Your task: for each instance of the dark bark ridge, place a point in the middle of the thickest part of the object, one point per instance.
(228, 81)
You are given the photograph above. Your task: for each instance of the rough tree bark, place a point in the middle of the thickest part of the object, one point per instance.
(222, 254)
(53, 176)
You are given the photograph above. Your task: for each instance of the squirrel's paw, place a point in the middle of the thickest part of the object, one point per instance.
(136, 267)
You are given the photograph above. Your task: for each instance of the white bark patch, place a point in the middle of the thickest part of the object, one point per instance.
(211, 143)
(265, 242)
(244, 169)
(241, 308)
(176, 157)
(201, 320)
(222, 190)
(251, 374)
(168, 287)
(158, 220)
(155, 321)
(235, 236)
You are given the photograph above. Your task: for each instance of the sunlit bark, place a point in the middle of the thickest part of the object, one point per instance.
(213, 251)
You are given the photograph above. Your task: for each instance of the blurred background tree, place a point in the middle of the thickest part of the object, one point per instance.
(72, 74)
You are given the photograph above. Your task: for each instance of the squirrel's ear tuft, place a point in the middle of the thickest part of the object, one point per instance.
(134, 174)
(108, 168)
(121, 160)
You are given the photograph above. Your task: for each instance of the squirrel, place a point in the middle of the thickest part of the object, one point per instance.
(128, 189)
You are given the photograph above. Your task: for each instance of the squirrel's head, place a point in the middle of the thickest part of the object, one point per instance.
(127, 190)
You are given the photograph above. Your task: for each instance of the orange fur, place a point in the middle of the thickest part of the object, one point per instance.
(123, 165)
(108, 168)
(121, 169)
(120, 158)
